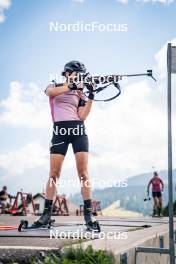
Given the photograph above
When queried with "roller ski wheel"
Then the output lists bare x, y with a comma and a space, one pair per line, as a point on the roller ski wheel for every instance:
93, 226
24, 226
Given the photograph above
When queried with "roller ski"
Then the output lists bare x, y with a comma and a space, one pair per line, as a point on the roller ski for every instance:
44, 222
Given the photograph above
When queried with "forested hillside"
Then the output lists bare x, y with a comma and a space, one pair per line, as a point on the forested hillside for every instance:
132, 196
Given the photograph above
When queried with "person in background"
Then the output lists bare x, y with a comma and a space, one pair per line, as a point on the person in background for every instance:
4, 196
157, 189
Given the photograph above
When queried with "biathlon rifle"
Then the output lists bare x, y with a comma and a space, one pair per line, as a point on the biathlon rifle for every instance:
87, 78
91, 81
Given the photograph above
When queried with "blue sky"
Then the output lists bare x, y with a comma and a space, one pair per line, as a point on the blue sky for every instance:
29, 52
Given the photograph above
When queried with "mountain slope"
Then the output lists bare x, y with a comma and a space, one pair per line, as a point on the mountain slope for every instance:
132, 196
142, 179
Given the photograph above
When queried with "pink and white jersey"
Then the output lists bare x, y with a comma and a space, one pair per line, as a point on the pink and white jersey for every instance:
156, 184
64, 107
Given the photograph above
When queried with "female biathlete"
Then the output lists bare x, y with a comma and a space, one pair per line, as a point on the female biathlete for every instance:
157, 189
69, 109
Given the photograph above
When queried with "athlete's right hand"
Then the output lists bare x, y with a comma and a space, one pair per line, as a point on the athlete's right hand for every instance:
74, 86
73, 82
80, 86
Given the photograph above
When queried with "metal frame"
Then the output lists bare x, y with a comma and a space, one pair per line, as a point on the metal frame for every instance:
161, 241
171, 249
170, 183
153, 250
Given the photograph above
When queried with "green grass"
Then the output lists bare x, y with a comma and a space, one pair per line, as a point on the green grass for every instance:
78, 256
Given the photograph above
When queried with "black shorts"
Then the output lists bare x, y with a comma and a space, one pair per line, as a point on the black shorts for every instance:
66, 132
156, 194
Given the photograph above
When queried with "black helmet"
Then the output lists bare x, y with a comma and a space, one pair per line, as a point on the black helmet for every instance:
155, 173
74, 66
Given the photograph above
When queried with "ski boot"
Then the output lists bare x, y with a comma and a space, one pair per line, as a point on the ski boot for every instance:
154, 213
160, 213
44, 220
91, 223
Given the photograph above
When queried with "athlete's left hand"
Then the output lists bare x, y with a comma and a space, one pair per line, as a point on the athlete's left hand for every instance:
90, 87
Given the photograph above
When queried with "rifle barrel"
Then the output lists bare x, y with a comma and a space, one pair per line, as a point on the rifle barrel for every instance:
119, 76
122, 75
133, 75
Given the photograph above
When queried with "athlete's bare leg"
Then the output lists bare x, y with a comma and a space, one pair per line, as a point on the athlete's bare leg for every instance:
155, 203
56, 161
82, 168
155, 199
82, 164
160, 204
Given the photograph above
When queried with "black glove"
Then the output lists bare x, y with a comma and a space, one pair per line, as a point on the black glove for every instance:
91, 96
72, 86
91, 93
